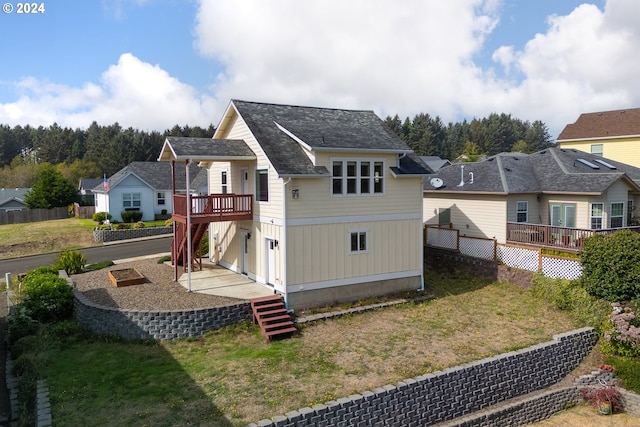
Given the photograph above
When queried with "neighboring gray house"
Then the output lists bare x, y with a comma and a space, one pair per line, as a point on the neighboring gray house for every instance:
435, 163
555, 197
86, 185
146, 187
12, 199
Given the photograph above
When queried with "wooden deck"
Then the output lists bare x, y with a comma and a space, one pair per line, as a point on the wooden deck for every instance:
213, 207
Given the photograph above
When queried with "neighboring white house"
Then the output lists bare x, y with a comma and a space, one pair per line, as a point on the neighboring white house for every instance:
145, 187
321, 205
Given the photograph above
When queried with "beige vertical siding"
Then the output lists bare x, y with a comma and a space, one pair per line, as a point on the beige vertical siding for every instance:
321, 252
401, 195
475, 215
624, 150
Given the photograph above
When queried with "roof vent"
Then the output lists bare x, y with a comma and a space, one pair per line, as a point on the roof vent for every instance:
461, 176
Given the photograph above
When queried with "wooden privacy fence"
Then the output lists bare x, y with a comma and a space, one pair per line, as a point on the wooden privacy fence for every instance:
524, 258
33, 215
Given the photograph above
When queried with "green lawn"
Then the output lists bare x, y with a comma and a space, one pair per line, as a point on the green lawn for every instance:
233, 377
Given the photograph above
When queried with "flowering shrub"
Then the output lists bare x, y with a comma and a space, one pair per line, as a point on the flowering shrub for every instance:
623, 337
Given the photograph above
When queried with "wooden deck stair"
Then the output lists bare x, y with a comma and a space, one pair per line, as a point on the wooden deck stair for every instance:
198, 231
272, 317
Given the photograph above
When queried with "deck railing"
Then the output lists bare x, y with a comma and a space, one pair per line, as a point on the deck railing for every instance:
214, 205
552, 236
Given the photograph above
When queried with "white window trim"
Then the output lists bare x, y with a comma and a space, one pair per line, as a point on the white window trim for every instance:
224, 186
611, 216
526, 211
591, 217
164, 198
358, 177
255, 177
132, 200
601, 153
364, 231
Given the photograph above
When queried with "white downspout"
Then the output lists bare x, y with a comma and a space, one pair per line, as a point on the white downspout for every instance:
422, 234
283, 244
188, 229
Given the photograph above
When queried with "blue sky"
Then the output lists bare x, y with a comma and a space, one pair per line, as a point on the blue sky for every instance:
151, 64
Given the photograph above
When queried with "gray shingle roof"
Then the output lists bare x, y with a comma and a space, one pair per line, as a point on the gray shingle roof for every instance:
8, 194
206, 149
158, 175
276, 126
553, 170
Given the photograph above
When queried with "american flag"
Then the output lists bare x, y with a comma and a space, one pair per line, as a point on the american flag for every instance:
106, 183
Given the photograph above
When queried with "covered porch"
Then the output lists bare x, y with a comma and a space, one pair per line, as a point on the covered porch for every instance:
548, 236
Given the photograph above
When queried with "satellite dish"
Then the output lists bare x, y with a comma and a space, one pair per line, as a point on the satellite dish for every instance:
436, 182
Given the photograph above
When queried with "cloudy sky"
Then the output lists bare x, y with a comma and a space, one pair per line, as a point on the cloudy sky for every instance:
151, 64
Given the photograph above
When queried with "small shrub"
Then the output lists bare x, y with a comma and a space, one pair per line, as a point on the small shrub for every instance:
46, 297
611, 266
126, 216
123, 226
100, 217
603, 395
139, 224
20, 325
163, 212
136, 216
164, 259
168, 223
71, 261
103, 227
569, 295
204, 247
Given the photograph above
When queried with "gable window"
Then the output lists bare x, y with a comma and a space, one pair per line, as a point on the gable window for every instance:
223, 181
357, 177
597, 150
522, 211
358, 241
262, 185
131, 201
617, 215
597, 210
161, 198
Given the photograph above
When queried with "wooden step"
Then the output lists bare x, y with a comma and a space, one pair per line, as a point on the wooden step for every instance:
271, 315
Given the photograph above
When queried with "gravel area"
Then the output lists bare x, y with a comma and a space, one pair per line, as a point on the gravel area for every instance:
159, 292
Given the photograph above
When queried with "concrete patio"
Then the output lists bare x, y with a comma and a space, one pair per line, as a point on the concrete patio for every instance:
216, 280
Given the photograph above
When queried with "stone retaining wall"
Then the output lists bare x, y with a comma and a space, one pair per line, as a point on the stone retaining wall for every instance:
132, 233
159, 325
454, 392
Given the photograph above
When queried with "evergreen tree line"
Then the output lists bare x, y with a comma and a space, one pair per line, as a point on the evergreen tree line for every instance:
98, 150
429, 136
79, 153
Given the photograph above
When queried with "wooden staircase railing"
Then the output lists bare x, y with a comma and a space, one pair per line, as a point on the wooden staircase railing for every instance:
272, 317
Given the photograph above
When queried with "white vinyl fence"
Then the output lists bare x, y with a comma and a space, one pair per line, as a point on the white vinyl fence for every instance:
531, 259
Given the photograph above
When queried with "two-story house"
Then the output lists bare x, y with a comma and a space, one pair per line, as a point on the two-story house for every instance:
611, 134
320, 204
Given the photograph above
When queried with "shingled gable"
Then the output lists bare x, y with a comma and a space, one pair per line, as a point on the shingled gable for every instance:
205, 149
284, 132
604, 124
550, 171
156, 175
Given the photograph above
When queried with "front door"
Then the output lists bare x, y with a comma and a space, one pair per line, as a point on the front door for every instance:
271, 262
244, 252
244, 181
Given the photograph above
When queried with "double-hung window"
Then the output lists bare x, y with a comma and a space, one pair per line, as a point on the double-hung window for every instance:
357, 177
597, 212
522, 211
617, 215
223, 183
597, 149
131, 201
161, 198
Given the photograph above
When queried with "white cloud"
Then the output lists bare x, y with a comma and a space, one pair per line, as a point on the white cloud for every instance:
396, 58
132, 93
418, 56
